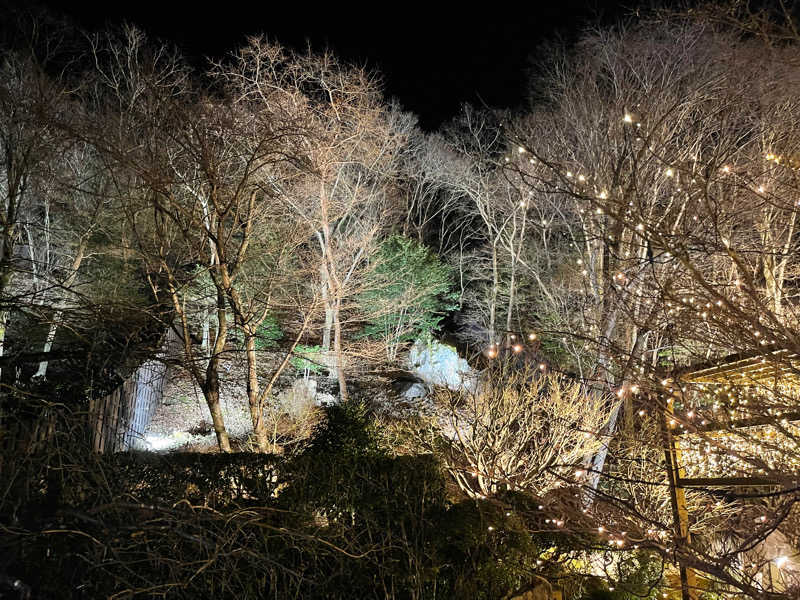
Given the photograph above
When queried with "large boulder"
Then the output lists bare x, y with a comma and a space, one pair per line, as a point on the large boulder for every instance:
439, 364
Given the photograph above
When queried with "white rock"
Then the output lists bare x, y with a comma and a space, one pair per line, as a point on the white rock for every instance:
414, 391
324, 399
439, 364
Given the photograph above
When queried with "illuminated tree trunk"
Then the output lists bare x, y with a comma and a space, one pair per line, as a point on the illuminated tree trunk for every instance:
51, 333
253, 398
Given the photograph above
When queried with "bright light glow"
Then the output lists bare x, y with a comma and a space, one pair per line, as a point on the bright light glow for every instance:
627, 118
781, 561
157, 442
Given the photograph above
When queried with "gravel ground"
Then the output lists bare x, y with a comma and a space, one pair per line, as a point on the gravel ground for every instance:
183, 420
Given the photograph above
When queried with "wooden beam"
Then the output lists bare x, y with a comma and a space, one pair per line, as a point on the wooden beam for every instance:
739, 424
680, 513
787, 362
709, 482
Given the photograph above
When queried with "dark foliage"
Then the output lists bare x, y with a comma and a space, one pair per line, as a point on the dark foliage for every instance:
344, 519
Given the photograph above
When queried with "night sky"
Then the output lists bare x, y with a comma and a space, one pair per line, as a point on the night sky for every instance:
431, 61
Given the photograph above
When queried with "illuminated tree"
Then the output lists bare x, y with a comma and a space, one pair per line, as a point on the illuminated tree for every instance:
675, 183
522, 430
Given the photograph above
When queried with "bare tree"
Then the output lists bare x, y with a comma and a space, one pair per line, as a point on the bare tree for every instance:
343, 194
28, 140
675, 180
523, 430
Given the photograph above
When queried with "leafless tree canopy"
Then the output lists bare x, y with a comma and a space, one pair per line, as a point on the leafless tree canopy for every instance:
624, 251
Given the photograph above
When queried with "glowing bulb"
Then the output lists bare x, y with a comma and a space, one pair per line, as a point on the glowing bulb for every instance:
670, 172
781, 561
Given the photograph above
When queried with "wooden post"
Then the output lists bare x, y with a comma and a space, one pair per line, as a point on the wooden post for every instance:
680, 514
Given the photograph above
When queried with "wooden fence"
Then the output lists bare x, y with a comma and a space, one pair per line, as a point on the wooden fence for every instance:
122, 417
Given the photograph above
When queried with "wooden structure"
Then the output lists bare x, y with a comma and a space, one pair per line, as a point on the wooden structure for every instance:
121, 417
761, 372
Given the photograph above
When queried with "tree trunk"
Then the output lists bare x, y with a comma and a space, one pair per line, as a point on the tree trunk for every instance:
325, 292
256, 412
493, 298
510, 307
3, 325
51, 334
211, 393
208, 380
48, 344
337, 349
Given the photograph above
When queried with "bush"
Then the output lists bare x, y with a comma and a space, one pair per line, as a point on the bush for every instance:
343, 519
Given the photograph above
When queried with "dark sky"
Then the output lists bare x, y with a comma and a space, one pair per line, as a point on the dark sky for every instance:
432, 61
